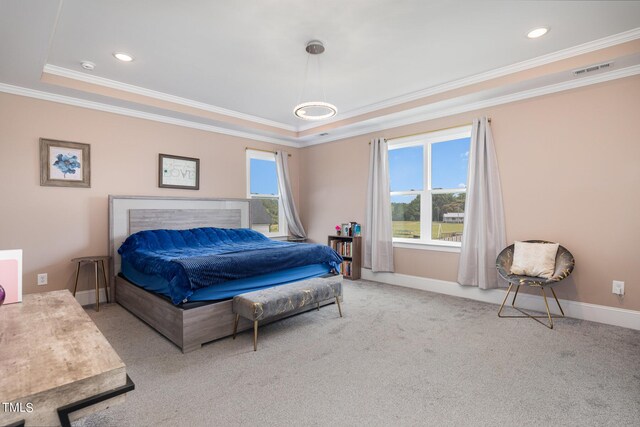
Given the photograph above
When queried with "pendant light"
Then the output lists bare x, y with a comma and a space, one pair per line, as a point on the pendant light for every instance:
314, 110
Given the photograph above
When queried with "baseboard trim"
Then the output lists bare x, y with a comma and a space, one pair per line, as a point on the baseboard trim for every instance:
578, 310
89, 297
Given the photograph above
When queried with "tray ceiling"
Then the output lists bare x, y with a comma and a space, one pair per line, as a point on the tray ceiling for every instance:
243, 62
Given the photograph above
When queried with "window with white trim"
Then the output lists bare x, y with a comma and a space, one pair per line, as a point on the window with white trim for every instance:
428, 180
267, 215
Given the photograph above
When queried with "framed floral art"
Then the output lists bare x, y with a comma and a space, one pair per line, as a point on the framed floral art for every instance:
64, 164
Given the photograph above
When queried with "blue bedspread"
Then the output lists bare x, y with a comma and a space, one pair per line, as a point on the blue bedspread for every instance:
201, 257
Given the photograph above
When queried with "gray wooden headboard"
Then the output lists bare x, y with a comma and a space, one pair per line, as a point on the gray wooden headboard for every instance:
183, 219
130, 214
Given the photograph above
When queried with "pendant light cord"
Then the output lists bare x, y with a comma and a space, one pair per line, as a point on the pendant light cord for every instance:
324, 95
304, 83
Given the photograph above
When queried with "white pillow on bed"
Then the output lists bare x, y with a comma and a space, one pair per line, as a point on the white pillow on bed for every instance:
534, 259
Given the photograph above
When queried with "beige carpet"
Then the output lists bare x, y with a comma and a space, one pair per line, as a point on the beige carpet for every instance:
398, 357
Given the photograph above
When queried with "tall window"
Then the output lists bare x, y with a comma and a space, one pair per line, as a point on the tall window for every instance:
429, 186
267, 214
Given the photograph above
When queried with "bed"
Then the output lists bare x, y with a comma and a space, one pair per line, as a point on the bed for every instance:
192, 315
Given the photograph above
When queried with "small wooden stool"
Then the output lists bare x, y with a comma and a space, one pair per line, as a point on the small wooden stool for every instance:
95, 260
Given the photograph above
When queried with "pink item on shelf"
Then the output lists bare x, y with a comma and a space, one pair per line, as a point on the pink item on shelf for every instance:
11, 275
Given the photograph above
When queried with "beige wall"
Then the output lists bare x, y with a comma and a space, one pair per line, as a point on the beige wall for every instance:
53, 225
570, 170
569, 164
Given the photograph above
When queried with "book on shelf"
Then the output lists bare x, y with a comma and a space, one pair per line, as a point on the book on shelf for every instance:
343, 248
346, 268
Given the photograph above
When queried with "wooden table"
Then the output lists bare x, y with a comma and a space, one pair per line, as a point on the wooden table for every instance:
55, 362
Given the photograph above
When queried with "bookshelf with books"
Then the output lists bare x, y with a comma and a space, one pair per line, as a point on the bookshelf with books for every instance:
350, 247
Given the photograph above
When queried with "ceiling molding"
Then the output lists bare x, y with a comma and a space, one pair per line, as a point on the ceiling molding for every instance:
412, 116
393, 120
571, 52
467, 81
113, 84
62, 99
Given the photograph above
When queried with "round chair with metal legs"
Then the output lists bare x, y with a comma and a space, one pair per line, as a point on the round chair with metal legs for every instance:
564, 267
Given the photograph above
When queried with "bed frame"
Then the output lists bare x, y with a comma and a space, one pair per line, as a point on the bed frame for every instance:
193, 324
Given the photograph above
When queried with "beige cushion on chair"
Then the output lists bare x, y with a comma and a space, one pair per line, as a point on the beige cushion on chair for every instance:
534, 259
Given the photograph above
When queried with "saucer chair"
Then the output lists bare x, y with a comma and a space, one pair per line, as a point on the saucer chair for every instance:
563, 268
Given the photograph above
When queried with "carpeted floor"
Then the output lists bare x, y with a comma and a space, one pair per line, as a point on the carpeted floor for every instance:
398, 357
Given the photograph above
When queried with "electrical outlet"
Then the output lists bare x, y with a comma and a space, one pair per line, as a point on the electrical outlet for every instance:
618, 287
42, 279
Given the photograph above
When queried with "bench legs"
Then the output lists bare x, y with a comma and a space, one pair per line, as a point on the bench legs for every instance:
255, 335
255, 325
255, 331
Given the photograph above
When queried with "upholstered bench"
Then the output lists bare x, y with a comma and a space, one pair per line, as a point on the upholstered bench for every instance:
268, 303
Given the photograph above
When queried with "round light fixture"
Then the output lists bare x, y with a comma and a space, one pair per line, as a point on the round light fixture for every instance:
537, 32
124, 57
315, 110
88, 65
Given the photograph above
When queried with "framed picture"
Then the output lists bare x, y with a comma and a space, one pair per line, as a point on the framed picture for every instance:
178, 172
64, 164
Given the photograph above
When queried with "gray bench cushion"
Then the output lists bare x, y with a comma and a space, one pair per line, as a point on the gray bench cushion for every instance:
266, 303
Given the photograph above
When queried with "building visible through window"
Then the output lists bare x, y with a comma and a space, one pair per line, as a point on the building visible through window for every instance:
428, 179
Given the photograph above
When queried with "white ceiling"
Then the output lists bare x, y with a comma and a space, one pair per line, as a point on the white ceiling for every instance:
248, 56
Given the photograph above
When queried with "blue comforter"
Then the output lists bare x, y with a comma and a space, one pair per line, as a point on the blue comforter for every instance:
201, 257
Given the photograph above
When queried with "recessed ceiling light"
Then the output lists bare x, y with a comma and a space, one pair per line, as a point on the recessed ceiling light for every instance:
88, 65
124, 57
538, 32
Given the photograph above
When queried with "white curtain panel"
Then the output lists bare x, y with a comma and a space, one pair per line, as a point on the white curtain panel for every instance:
377, 231
484, 231
290, 211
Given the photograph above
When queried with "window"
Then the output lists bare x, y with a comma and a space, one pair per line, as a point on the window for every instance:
428, 179
262, 187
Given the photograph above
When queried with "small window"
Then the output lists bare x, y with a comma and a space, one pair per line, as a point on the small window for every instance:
266, 206
428, 180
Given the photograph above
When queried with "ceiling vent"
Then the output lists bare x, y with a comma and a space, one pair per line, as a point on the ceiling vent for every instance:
592, 68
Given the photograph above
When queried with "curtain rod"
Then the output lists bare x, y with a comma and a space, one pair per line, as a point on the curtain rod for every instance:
430, 131
264, 151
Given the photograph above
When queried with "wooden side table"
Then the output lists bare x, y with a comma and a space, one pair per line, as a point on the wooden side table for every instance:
95, 260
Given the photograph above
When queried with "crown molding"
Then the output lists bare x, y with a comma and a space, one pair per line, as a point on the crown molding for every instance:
581, 49
376, 124
415, 115
394, 120
571, 52
63, 99
113, 84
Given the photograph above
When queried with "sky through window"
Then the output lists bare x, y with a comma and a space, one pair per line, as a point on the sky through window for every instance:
264, 178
